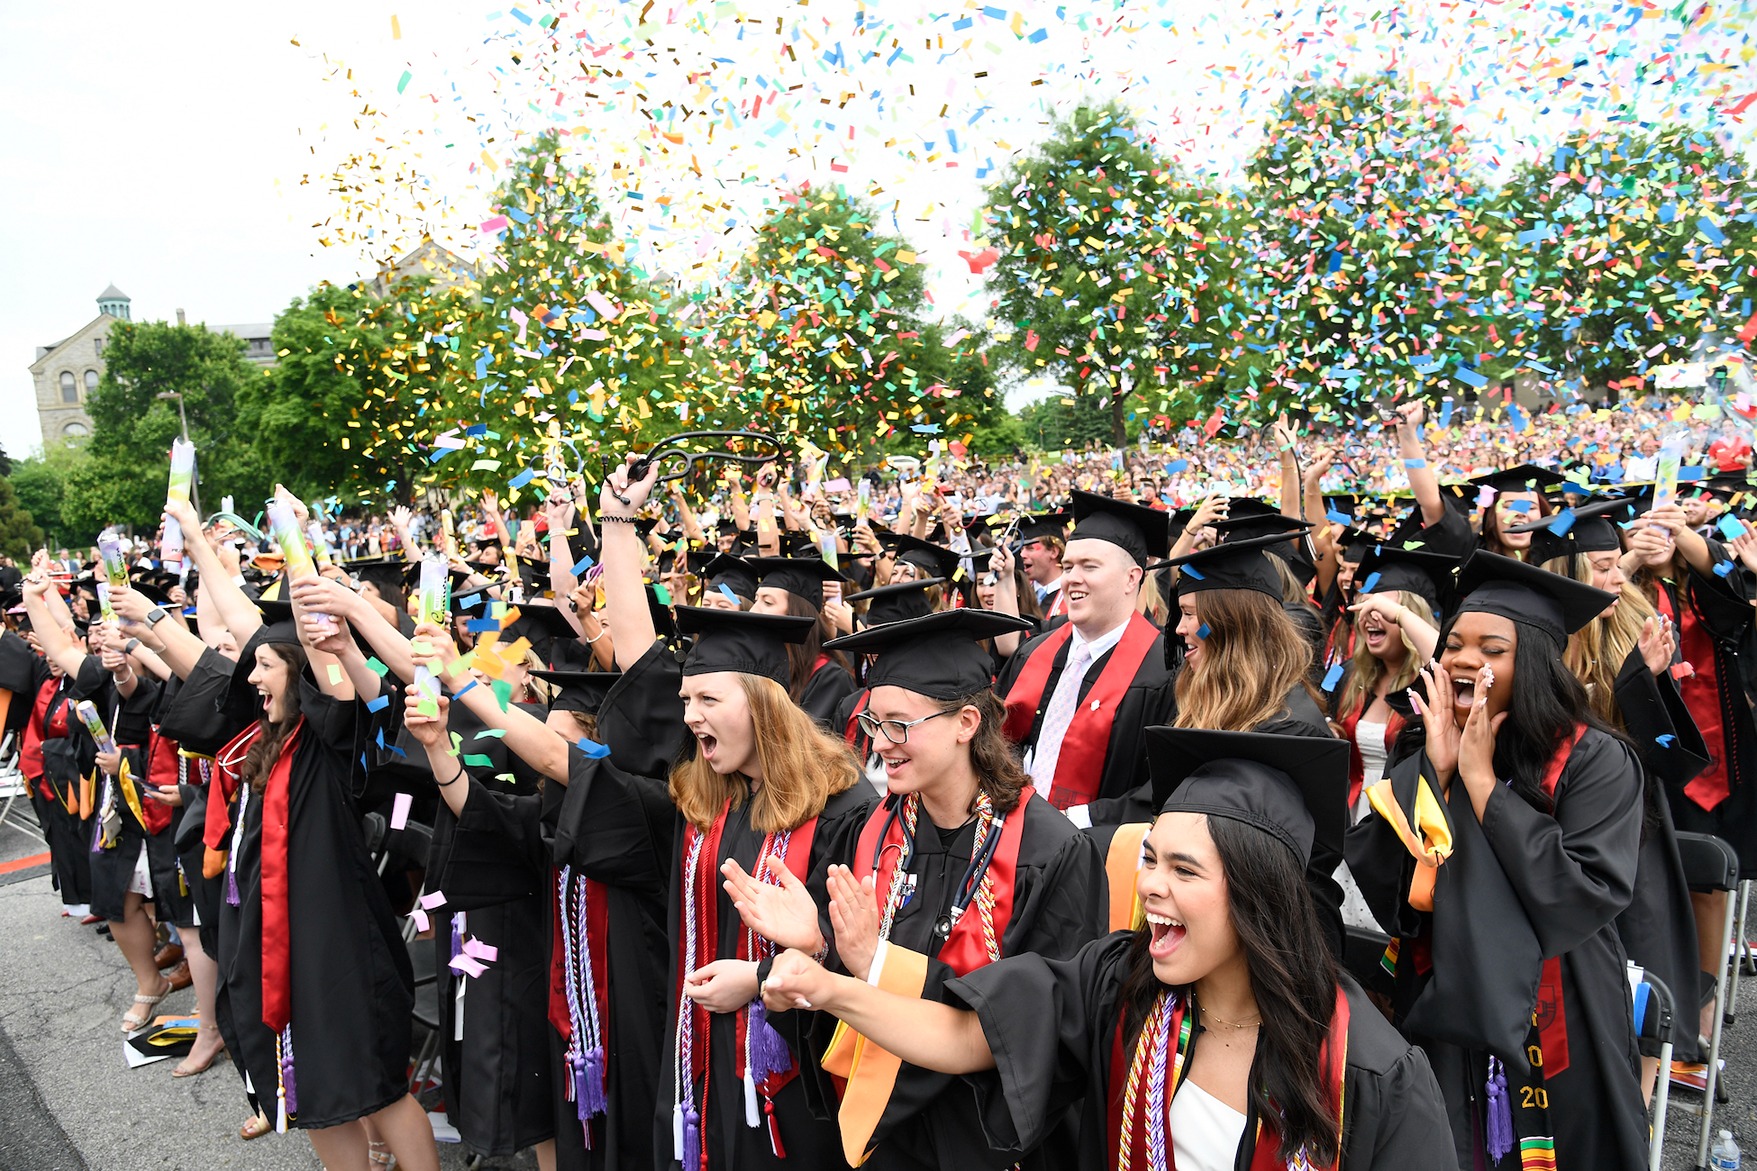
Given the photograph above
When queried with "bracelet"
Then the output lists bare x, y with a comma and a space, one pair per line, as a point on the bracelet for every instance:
454, 780
608, 518
238, 579
591, 641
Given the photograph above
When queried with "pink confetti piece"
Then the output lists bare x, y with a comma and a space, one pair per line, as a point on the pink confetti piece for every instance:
399, 810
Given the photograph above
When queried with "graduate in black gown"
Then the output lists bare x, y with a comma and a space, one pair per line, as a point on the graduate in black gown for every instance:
1219, 1034
585, 847
496, 1059
818, 681
765, 787
315, 986
1086, 760
1246, 669
1624, 657
1498, 857
961, 864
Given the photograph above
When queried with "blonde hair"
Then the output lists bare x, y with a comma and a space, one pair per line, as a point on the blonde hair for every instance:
803, 767
1252, 658
1596, 652
1149, 602
1369, 669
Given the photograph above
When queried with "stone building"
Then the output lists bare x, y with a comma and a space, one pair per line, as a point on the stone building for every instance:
67, 371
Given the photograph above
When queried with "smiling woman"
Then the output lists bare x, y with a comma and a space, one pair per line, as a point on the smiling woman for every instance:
1177, 1038
1509, 845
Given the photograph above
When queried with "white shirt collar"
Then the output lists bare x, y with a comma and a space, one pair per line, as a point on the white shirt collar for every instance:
1052, 586
1100, 646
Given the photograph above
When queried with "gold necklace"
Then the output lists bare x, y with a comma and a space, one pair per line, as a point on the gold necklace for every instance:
1220, 1020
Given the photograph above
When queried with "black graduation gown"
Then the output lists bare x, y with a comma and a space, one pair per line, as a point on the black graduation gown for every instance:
497, 1075
352, 989
642, 725
827, 688
1052, 1023
1658, 927
1057, 908
113, 867
1717, 609
1522, 886
23, 672
1124, 789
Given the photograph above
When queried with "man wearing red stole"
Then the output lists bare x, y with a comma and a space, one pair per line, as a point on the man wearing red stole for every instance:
1078, 696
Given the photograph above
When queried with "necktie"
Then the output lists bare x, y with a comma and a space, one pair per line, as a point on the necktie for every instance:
1058, 715
1042, 593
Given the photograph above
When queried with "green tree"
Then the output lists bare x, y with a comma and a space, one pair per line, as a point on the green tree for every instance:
1363, 258
19, 534
132, 426
41, 483
1111, 268
822, 332
565, 326
1625, 240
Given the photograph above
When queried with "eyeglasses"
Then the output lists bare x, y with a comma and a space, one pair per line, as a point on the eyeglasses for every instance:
896, 731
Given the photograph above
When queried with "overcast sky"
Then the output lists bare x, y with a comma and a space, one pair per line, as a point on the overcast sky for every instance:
160, 147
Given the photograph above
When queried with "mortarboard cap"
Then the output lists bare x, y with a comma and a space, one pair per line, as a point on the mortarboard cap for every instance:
1585, 528
895, 603
940, 655
1234, 565
1294, 788
734, 573
1140, 532
578, 691
801, 576
933, 560
1391, 568
1522, 478
738, 640
1492, 584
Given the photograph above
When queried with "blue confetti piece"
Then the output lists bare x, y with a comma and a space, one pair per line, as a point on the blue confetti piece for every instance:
1711, 230
730, 596
1366, 587
481, 625
1176, 466
1564, 520
1195, 573
1724, 568
379, 704
1518, 505
1332, 677
1470, 377
1336, 516
1204, 632
592, 748
1446, 412
1666, 741
583, 564
523, 478
1731, 527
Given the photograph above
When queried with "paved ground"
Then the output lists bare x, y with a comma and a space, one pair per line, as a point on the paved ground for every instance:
68, 1102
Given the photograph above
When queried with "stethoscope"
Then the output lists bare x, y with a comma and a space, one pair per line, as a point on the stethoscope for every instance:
966, 889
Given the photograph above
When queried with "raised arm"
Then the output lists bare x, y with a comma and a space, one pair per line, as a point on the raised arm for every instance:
52, 636
559, 511
167, 638
219, 580
529, 738
1422, 481
625, 594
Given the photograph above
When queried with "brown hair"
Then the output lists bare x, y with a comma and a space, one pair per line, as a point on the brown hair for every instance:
259, 761
1369, 669
1252, 658
803, 766
1491, 525
992, 756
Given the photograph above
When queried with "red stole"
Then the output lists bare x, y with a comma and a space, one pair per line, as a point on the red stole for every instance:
1266, 1154
1357, 769
707, 934
277, 928
1701, 692
852, 732
161, 769
36, 730
1079, 769
1551, 1020
964, 949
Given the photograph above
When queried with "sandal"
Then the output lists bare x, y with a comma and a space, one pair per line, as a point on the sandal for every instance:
183, 1069
255, 1128
139, 1017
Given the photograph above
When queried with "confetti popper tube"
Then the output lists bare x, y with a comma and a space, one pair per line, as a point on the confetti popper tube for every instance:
434, 605
319, 547
284, 527
1665, 481
177, 490
94, 723
115, 572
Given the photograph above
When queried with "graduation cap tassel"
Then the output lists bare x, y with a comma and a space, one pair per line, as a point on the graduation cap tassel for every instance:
591, 1089
769, 1054
1500, 1120
692, 1139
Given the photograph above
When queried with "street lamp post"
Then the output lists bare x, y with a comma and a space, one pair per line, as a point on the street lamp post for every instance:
176, 396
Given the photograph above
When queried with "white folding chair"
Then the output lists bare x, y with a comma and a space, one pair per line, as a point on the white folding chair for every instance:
1654, 1020
13, 785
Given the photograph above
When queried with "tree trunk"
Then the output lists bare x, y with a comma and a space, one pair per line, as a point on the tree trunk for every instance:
1119, 407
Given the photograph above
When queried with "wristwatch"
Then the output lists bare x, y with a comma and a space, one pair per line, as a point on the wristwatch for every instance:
156, 615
